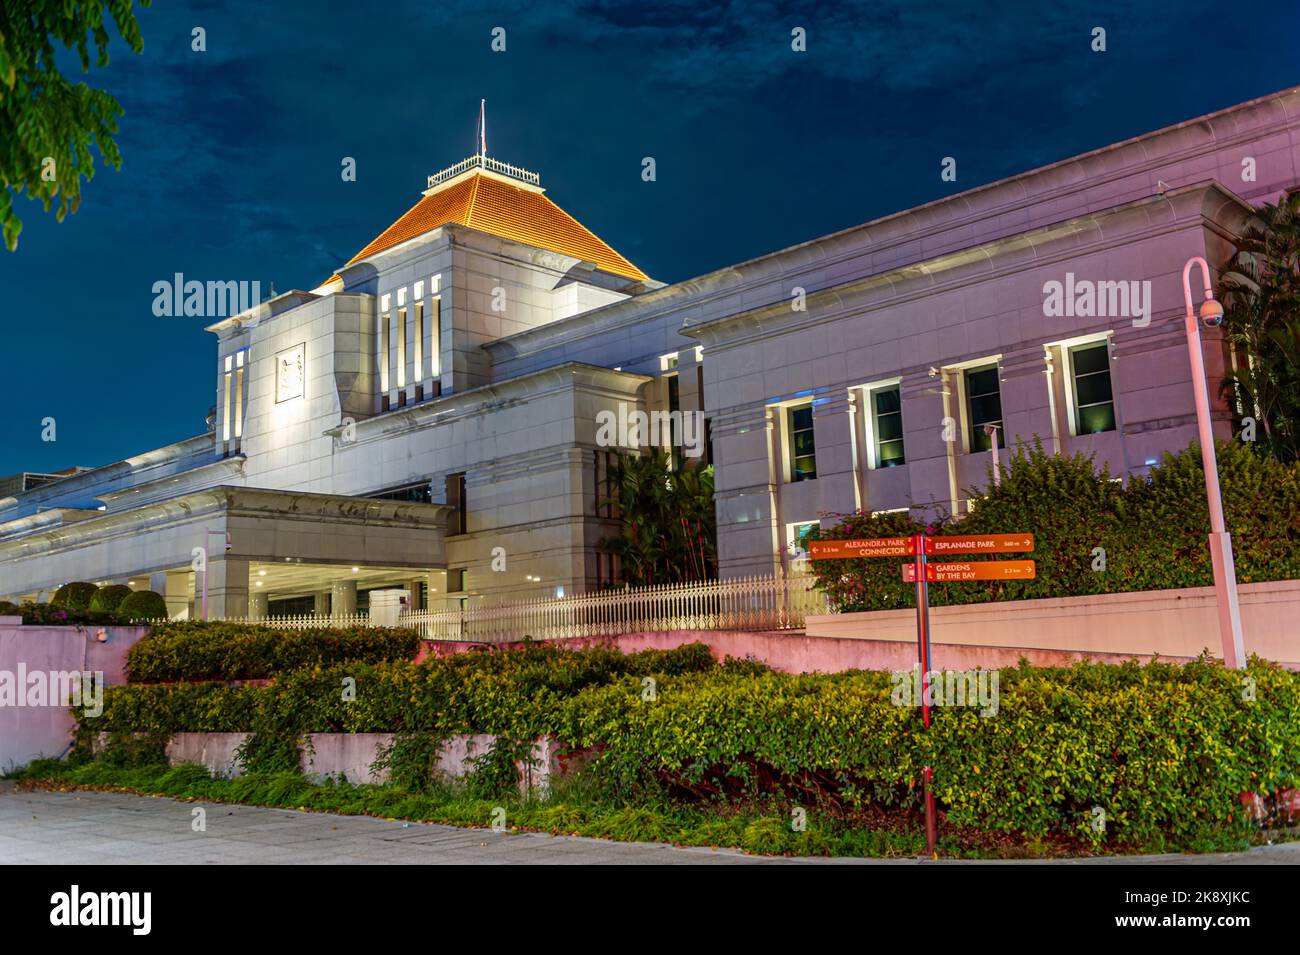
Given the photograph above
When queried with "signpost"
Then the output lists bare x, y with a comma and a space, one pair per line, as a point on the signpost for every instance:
921, 572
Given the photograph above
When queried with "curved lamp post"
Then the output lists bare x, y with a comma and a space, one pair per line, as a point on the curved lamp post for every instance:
1225, 571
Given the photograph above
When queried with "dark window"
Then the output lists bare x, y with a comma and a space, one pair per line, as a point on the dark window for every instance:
984, 404
291, 606
887, 406
456, 498
803, 448
414, 493
675, 405
456, 581
1094, 405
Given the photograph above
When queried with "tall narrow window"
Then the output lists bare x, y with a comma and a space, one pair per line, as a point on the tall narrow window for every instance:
401, 340
383, 344
239, 394
1094, 404
887, 427
984, 407
225, 403
419, 341
456, 498
803, 448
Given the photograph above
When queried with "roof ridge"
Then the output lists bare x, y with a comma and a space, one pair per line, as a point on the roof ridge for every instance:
473, 199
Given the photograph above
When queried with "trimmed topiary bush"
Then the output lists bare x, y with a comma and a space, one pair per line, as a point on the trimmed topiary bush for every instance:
107, 599
142, 605
74, 596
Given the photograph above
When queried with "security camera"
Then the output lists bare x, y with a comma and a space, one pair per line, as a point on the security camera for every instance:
1211, 314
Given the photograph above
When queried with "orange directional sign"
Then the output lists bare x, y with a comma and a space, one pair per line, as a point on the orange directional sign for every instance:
872, 547
979, 544
974, 570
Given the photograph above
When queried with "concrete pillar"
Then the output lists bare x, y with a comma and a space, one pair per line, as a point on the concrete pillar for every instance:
322, 607
343, 597
174, 587
413, 588
258, 604
437, 590
227, 587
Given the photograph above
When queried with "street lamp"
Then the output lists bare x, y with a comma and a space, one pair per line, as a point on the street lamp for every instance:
1225, 572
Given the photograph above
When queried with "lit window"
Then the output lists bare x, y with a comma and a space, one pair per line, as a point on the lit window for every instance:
803, 447
984, 407
797, 538
1094, 405
887, 427
668, 362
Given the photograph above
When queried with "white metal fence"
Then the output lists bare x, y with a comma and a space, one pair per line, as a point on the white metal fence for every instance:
739, 603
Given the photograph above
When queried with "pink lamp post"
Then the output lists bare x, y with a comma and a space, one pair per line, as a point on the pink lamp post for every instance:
1225, 571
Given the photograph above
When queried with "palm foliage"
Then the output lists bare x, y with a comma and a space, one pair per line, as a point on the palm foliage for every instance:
1260, 290
669, 532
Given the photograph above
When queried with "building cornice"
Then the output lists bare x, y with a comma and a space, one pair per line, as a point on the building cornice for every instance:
1011, 199
1208, 204
565, 377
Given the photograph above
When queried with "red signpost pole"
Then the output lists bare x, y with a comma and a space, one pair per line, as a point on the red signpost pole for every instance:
923, 655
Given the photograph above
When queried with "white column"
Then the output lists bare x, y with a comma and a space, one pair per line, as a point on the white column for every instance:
343, 597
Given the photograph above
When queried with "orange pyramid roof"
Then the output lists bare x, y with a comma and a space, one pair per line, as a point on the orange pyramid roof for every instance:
492, 204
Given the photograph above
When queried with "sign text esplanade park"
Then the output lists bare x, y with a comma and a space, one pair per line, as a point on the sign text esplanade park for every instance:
921, 572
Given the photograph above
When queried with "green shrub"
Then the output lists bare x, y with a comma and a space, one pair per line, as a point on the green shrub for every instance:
1163, 750
74, 596
49, 615
199, 650
142, 605
1153, 531
107, 599
8, 609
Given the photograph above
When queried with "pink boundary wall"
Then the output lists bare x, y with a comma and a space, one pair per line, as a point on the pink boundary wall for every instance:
792, 651
1175, 625
30, 732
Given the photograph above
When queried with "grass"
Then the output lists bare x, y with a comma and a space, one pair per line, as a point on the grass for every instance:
573, 807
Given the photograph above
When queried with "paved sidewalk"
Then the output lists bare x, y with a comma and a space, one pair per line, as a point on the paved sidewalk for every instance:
123, 829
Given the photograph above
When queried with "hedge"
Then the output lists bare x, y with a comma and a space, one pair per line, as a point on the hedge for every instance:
108, 599
198, 650
142, 605
1152, 533
1164, 751
74, 596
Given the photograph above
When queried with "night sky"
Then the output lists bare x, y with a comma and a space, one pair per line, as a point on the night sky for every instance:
232, 157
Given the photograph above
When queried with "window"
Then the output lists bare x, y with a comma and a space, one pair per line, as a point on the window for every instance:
456, 498
797, 538
412, 493
887, 427
1094, 405
803, 447
668, 362
984, 407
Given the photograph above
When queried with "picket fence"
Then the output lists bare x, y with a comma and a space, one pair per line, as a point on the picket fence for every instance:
738, 603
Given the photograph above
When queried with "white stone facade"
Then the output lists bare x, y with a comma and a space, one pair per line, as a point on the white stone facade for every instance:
463, 371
